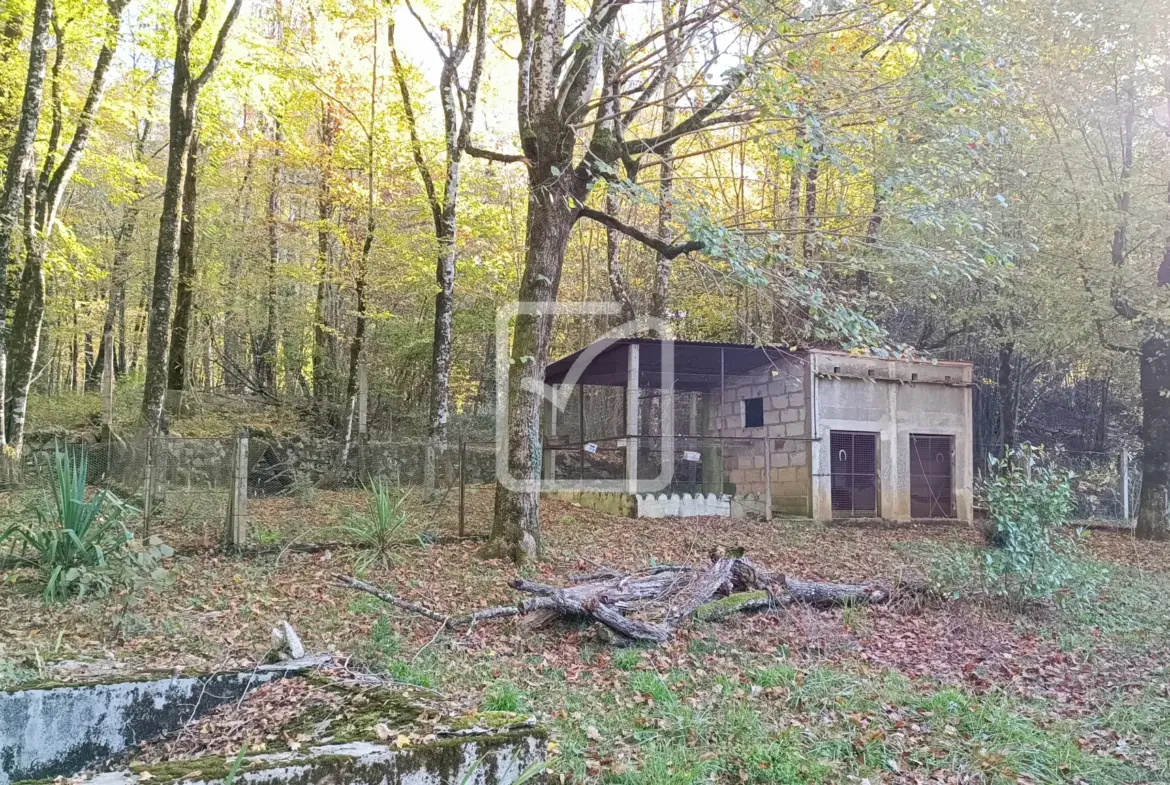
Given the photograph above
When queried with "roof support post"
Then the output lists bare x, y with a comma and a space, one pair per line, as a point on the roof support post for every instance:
633, 428
549, 465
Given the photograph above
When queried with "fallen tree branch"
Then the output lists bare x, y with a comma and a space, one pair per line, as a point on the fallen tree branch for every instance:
667, 596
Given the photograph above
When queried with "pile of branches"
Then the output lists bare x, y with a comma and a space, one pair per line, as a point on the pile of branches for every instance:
651, 604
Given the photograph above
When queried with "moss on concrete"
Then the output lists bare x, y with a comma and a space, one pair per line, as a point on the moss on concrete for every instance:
611, 502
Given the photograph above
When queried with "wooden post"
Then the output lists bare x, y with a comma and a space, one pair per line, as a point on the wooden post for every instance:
462, 483
767, 479
237, 522
633, 427
1124, 484
148, 492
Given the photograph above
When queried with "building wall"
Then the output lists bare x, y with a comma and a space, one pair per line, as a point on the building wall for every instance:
894, 399
784, 390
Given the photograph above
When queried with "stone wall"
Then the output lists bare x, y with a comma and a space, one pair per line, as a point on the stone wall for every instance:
275, 463
784, 390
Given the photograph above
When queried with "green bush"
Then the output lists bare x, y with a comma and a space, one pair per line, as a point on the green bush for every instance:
1027, 499
80, 546
381, 531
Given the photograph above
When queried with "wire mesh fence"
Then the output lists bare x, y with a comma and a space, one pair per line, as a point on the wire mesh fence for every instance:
1106, 485
297, 489
171, 486
446, 488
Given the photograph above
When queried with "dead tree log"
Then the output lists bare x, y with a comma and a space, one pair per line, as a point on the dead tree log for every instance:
650, 605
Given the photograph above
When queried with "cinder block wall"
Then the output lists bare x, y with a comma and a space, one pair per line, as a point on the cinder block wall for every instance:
784, 390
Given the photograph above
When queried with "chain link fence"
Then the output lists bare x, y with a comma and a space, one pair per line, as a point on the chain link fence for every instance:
299, 490
1106, 485
171, 486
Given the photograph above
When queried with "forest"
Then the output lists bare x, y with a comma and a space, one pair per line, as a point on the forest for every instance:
280, 201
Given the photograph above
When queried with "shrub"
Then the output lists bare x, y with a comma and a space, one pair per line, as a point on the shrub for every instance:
1027, 499
80, 545
380, 532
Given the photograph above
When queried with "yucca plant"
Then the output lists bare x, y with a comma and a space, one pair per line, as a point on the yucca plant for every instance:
380, 532
76, 537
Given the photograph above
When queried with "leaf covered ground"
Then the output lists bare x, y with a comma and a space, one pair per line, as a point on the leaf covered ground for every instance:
955, 693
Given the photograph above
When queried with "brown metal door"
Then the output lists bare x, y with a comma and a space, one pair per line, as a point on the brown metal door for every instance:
931, 482
854, 473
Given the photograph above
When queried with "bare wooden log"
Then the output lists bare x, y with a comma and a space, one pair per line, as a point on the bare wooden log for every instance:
812, 593
714, 580
630, 628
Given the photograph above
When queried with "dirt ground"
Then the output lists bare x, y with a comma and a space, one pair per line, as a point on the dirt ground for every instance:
220, 609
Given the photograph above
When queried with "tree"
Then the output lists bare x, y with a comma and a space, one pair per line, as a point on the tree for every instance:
20, 161
185, 88
556, 83
41, 207
185, 286
459, 105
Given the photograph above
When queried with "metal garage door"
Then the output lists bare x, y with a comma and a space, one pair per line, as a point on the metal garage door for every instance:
931, 483
854, 473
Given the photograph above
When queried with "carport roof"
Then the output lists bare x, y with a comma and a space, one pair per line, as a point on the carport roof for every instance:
698, 365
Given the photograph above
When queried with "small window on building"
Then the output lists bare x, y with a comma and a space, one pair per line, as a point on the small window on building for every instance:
753, 413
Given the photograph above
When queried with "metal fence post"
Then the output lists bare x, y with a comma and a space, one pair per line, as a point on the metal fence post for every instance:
767, 479
1124, 484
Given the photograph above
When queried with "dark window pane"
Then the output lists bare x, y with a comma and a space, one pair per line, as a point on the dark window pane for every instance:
753, 413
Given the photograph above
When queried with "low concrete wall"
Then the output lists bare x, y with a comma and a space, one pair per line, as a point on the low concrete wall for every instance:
482, 760
58, 731
612, 502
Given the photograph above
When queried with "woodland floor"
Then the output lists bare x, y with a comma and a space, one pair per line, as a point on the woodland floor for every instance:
957, 693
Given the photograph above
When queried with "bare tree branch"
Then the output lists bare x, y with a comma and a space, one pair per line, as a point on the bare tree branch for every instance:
492, 155
664, 248
218, 49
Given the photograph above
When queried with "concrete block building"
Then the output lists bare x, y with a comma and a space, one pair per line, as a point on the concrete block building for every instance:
711, 428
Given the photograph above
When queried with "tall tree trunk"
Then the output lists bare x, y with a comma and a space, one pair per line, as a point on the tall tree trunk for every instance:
27, 319
235, 362
1154, 381
116, 297
20, 161
324, 333
811, 239
264, 348
516, 525
670, 39
185, 286
617, 279
11, 35
41, 213
184, 95
781, 327
1155, 494
358, 342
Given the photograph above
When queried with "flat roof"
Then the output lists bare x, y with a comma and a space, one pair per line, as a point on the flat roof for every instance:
698, 365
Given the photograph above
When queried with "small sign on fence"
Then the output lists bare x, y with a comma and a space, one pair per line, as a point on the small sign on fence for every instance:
590, 447
691, 455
